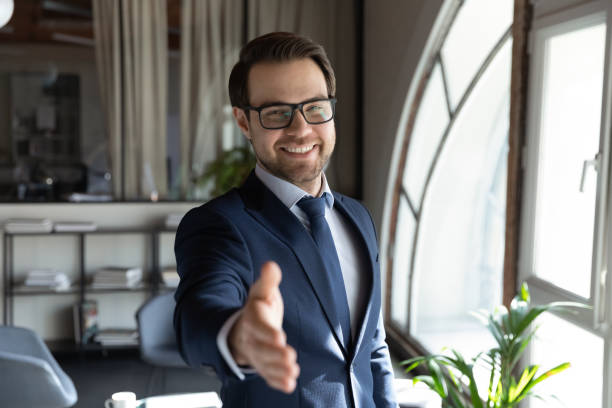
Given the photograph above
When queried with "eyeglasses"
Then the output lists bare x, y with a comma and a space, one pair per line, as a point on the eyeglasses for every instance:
280, 115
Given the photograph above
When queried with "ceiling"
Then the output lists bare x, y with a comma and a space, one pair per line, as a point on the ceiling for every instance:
67, 22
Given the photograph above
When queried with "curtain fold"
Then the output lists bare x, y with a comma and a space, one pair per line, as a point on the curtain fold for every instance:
210, 44
108, 59
132, 60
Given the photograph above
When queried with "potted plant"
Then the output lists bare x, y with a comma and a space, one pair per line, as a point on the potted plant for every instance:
228, 170
451, 376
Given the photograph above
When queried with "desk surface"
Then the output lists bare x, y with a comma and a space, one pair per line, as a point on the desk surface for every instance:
193, 400
408, 394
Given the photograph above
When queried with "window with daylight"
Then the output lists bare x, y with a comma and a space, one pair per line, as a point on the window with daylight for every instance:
448, 234
565, 226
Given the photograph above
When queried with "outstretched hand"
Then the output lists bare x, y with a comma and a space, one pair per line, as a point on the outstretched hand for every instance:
258, 339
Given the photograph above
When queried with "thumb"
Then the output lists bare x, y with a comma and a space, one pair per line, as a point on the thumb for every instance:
267, 285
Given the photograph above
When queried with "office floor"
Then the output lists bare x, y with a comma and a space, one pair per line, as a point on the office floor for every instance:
96, 377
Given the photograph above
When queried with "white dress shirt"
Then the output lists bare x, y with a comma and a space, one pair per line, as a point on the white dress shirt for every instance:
352, 259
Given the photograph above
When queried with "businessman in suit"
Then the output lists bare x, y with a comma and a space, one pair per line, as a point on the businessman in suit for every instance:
280, 283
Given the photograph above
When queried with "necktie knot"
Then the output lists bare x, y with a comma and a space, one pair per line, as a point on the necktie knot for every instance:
313, 207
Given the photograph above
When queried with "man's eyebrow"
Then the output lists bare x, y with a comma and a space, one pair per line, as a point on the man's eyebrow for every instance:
315, 98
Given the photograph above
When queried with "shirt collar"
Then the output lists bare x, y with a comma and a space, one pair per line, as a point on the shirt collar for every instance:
289, 193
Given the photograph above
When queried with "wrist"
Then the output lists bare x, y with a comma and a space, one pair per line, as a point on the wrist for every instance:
235, 345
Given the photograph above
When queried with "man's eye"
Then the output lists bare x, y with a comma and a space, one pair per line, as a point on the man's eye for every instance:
279, 113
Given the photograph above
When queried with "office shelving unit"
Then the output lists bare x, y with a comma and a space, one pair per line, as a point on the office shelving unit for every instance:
152, 282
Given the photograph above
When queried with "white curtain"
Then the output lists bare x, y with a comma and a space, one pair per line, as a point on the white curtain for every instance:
211, 37
132, 60
315, 19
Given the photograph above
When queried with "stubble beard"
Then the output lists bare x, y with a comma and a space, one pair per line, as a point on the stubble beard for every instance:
295, 174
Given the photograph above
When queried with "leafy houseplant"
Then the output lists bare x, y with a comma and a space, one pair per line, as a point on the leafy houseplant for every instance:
228, 170
448, 374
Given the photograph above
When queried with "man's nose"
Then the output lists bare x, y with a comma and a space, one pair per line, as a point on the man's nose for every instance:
298, 123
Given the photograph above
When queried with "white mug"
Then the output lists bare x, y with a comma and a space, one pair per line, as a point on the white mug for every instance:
124, 399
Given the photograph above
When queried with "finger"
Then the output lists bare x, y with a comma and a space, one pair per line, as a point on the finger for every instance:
267, 285
287, 385
265, 354
280, 371
262, 331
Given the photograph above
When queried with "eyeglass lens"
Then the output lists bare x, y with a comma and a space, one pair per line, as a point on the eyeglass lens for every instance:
278, 116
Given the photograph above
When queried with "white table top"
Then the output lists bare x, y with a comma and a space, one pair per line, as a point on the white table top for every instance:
191, 400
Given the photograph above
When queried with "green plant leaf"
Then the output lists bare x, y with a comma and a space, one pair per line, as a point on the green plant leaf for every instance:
437, 377
412, 366
427, 380
517, 389
545, 375
525, 293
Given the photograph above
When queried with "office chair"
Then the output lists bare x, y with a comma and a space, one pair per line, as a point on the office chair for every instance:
31, 377
157, 339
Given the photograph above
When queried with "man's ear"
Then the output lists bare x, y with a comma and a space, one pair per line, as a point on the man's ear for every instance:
242, 121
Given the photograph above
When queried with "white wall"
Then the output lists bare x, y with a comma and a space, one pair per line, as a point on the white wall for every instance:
51, 315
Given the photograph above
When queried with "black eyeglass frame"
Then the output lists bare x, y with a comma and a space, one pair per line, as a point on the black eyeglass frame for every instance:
294, 107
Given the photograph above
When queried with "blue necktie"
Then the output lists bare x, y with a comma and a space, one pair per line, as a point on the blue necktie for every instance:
315, 209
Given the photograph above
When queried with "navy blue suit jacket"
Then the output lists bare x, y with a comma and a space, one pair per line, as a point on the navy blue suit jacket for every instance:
220, 247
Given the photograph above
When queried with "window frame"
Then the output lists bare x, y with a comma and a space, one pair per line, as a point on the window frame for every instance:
402, 342
558, 19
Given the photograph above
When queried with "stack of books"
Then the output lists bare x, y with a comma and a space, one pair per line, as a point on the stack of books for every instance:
114, 277
117, 337
28, 225
47, 279
74, 226
170, 277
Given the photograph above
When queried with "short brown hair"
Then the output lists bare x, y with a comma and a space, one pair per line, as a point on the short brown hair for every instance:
276, 47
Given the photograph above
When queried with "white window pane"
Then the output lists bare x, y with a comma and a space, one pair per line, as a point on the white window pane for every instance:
431, 121
581, 384
569, 135
404, 237
458, 263
477, 27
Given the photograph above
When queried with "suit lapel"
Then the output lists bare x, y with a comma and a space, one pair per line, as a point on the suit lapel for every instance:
273, 215
372, 253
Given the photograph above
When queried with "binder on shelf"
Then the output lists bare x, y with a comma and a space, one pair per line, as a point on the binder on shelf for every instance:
85, 317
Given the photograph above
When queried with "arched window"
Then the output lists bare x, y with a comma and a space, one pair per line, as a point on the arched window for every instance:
446, 227
447, 237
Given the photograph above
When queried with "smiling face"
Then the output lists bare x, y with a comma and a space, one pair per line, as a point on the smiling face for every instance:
299, 152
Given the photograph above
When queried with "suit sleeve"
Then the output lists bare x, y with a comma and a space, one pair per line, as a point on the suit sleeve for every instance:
382, 371
214, 266
380, 360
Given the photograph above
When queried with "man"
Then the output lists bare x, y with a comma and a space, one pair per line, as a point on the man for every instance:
280, 283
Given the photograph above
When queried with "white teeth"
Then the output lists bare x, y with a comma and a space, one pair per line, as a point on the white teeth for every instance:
299, 149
